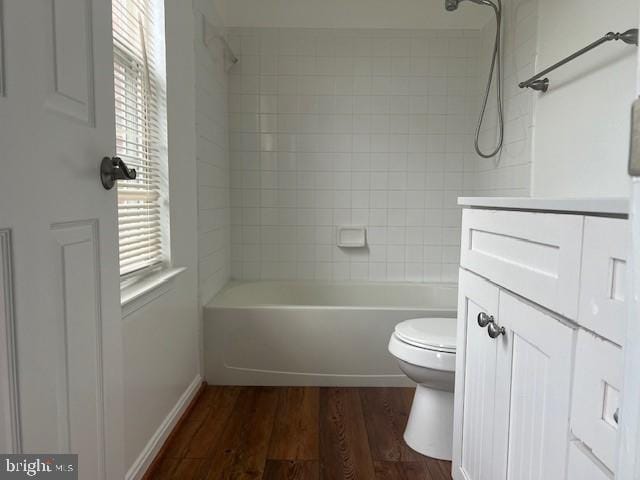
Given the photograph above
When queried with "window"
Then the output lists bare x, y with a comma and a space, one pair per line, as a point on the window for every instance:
141, 141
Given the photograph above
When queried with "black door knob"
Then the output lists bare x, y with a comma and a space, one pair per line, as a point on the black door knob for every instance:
112, 169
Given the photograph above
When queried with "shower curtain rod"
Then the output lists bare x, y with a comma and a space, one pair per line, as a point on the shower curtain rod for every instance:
542, 84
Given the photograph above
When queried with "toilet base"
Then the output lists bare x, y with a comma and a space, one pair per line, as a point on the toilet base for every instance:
430, 427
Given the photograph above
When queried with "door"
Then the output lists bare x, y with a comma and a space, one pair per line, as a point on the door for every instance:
533, 393
628, 465
629, 424
59, 304
473, 450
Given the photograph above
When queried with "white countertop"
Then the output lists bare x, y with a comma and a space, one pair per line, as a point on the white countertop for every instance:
607, 205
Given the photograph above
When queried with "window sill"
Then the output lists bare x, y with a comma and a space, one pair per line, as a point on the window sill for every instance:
135, 296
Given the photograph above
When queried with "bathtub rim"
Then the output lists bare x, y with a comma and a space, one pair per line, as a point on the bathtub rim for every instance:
211, 304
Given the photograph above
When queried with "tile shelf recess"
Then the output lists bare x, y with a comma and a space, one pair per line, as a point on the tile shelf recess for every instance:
352, 237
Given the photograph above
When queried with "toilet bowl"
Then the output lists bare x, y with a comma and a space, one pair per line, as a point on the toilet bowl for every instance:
426, 351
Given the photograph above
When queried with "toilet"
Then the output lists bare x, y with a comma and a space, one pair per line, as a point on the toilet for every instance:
426, 351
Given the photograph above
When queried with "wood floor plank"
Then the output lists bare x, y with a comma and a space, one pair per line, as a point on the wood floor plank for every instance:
407, 395
164, 469
191, 469
386, 414
181, 441
242, 450
402, 471
344, 448
439, 469
291, 470
221, 404
296, 433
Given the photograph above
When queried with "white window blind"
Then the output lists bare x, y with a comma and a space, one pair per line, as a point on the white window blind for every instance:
140, 118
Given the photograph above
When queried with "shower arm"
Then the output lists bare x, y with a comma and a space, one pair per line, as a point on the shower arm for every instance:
542, 84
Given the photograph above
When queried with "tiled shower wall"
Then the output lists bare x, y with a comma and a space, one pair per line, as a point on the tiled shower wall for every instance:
350, 127
510, 173
214, 237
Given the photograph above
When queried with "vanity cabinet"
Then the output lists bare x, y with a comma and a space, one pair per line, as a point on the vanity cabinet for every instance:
538, 368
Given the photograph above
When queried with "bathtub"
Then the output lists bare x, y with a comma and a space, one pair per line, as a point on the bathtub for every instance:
311, 333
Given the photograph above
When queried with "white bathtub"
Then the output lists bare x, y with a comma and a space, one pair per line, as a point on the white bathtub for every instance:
310, 333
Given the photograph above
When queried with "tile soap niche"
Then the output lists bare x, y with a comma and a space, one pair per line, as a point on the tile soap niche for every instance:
352, 236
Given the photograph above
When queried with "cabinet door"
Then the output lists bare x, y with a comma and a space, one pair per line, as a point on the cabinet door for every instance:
533, 392
475, 382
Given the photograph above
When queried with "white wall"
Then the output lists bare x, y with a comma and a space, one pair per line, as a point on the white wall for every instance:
582, 123
220, 7
352, 14
161, 339
214, 234
340, 127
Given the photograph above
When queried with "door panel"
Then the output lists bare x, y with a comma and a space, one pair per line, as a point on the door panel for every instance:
9, 428
533, 394
79, 369
2, 56
475, 381
72, 67
56, 124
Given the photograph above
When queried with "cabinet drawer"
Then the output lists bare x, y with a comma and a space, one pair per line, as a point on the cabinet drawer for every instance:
582, 466
596, 394
603, 282
536, 255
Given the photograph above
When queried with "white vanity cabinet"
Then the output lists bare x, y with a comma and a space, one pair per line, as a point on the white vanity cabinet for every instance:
541, 307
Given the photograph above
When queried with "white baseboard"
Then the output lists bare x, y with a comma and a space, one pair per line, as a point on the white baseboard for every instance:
151, 449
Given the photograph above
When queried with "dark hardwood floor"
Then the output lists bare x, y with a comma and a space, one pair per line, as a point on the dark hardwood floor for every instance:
297, 433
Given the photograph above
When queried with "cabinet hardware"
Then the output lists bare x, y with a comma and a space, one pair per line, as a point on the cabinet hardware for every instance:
495, 331
484, 319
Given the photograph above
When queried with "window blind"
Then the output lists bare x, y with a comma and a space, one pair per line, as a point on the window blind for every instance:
140, 119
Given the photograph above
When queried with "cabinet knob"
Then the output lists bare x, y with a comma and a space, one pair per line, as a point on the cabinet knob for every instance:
484, 319
495, 331
616, 415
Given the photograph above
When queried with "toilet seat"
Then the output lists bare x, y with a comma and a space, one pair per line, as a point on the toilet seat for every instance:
421, 356
438, 334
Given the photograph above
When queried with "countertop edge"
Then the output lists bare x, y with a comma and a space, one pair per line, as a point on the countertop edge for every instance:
612, 206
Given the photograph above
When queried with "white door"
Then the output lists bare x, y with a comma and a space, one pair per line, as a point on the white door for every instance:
629, 423
533, 393
59, 286
473, 450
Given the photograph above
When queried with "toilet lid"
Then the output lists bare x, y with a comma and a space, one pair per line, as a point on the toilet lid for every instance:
432, 333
